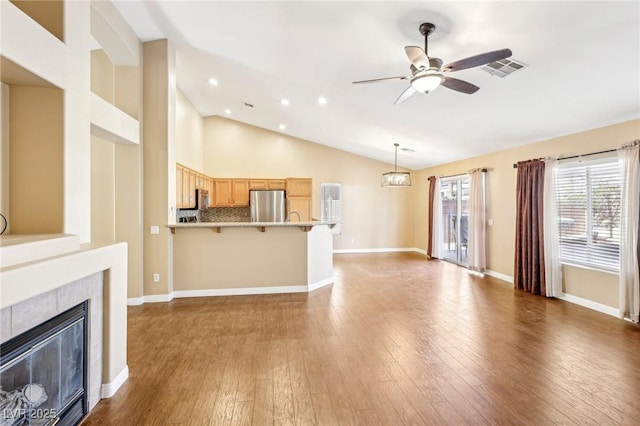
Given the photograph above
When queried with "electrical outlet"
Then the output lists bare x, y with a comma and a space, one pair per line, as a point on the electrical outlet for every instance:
154, 229
156, 278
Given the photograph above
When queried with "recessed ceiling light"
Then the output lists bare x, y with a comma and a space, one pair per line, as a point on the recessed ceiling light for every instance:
322, 100
227, 111
285, 102
282, 127
213, 81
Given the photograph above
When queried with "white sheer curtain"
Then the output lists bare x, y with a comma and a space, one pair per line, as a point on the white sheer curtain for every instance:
436, 247
629, 212
477, 258
552, 266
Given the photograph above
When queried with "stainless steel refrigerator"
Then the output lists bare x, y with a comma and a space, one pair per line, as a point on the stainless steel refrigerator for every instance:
267, 205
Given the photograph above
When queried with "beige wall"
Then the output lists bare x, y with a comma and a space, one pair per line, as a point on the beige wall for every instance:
48, 13
36, 164
102, 75
501, 185
374, 217
159, 163
189, 128
102, 191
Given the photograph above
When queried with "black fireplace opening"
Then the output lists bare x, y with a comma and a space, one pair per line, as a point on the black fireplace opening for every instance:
43, 372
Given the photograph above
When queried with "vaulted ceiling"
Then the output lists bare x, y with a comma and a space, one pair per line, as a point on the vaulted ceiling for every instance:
582, 70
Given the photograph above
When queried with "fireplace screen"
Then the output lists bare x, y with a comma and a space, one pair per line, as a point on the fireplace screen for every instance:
43, 373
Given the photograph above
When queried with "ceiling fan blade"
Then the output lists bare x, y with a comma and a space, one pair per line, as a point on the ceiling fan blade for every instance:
405, 95
459, 85
375, 80
417, 56
476, 61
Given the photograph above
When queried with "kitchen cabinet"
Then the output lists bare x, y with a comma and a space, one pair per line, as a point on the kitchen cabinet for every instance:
208, 186
276, 184
298, 187
230, 192
200, 181
188, 189
301, 205
299, 198
185, 187
178, 186
258, 184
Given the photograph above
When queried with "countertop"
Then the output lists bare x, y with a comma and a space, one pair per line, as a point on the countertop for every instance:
305, 225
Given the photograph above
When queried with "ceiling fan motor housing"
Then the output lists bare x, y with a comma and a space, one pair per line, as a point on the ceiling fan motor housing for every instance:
426, 28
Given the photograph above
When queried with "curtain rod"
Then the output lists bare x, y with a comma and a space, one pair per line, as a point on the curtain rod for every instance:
515, 165
483, 170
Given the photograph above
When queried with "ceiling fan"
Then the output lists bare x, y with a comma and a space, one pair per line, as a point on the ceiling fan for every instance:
428, 73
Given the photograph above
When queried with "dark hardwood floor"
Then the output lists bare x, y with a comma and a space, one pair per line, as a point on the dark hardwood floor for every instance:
396, 340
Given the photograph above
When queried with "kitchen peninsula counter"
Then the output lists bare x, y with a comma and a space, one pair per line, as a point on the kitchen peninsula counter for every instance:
251, 257
216, 226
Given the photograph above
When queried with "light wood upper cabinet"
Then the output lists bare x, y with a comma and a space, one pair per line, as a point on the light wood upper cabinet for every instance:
208, 186
200, 181
188, 188
276, 184
222, 193
179, 204
298, 187
230, 192
258, 184
240, 190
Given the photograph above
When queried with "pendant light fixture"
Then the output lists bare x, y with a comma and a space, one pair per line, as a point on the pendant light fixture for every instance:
396, 178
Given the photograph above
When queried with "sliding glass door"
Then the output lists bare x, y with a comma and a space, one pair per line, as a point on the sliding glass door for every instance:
455, 218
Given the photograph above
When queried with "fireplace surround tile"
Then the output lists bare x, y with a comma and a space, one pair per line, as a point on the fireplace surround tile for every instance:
29, 313
5, 324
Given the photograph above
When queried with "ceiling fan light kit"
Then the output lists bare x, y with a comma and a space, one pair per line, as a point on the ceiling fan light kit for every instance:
396, 178
427, 73
426, 82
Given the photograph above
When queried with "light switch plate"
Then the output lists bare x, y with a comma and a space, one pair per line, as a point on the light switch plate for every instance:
155, 229
490, 222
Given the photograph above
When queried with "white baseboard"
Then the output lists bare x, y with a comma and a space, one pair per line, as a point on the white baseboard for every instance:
499, 276
605, 309
150, 298
228, 292
380, 250
109, 389
240, 291
321, 284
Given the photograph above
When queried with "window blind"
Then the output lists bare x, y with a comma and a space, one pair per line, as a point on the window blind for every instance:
331, 207
588, 195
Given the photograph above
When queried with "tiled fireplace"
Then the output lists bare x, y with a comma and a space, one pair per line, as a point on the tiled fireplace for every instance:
41, 277
52, 354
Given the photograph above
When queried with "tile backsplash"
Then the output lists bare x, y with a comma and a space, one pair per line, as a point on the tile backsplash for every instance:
226, 214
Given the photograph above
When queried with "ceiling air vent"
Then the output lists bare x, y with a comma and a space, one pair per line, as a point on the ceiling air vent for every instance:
503, 67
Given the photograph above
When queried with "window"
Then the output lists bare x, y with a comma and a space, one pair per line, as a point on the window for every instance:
331, 204
588, 195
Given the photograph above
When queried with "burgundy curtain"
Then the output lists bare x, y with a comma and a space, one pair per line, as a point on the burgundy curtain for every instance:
529, 256
432, 193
